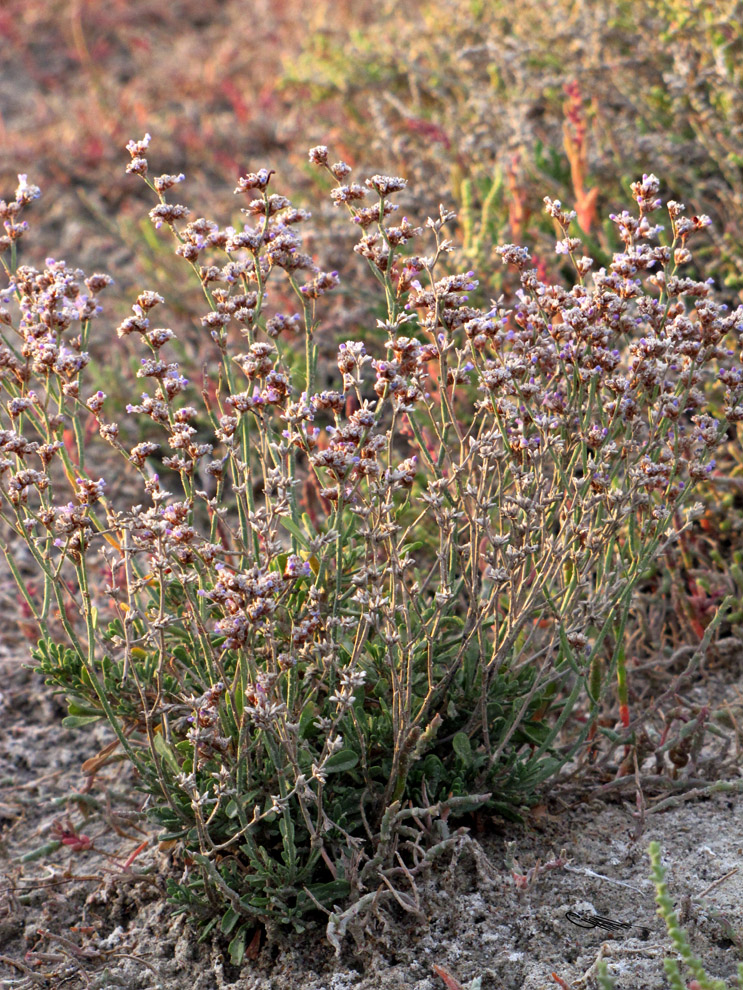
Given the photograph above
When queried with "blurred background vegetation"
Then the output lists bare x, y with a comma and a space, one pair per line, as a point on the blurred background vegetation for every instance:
483, 104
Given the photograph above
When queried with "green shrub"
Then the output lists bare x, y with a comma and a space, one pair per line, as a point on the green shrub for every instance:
341, 616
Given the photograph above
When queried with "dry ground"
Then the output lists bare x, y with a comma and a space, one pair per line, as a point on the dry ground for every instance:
79, 917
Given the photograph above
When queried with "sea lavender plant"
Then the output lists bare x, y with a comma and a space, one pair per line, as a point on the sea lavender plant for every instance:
334, 618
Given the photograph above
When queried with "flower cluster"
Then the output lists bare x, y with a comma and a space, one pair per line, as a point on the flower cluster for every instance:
10, 212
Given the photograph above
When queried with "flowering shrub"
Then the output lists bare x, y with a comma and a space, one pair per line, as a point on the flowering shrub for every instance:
334, 618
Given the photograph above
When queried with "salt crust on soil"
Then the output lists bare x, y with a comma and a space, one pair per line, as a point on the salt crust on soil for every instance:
477, 923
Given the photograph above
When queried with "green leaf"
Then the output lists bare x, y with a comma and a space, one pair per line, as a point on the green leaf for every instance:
536, 732
289, 853
166, 753
170, 836
462, 747
181, 653
330, 893
434, 773
308, 523
296, 532
74, 709
229, 919
507, 811
74, 721
207, 929
547, 768
338, 762
307, 720
236, 947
